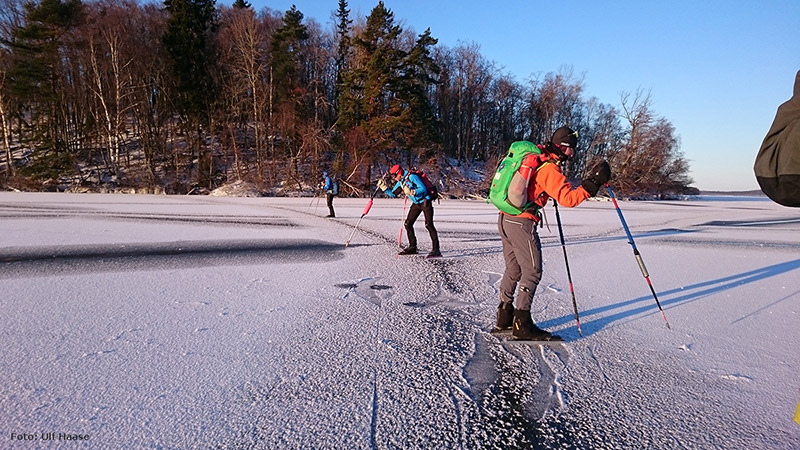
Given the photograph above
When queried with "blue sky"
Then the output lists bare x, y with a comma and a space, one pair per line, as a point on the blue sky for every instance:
717, 70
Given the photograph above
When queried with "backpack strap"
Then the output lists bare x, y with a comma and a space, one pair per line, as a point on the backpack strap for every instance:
535, 209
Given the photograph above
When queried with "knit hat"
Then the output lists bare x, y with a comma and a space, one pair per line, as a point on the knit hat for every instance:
395, 168
565, 137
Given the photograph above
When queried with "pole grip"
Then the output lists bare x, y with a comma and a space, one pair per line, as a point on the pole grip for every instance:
367, 208
641, 263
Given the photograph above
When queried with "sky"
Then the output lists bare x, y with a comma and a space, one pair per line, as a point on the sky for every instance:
154, 321
717, 70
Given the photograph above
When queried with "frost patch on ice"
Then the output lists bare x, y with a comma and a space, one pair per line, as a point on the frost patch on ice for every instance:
519, 383
414, 304
736, 377
494, 278
122, 335
546, 394
449, 300
391, 344
256, 281
366, 289
99, 353
480, 371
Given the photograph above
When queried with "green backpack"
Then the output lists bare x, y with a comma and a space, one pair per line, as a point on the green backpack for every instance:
509, 191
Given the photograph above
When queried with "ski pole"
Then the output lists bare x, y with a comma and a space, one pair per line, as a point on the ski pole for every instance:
364, 213
400, 232
636, 254
314, 197
566, 261
402, 218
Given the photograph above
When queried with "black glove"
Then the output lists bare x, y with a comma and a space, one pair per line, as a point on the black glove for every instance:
596, 178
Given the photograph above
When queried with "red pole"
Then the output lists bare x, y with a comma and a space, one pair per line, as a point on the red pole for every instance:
366, 210
364, 213
637, 255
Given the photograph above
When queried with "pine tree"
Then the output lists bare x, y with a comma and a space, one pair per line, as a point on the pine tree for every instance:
288, 87
419, 74
369, 86
189, 41
385, 94
189, 45
343, 49
285, 51
36, 81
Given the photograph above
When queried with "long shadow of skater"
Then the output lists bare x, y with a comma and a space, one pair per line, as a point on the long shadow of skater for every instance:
595, 239
482, 251
627, 309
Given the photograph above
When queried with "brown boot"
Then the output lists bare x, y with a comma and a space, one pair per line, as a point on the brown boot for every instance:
525, 330
505, 316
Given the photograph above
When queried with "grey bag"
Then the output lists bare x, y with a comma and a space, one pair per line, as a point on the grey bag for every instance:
777, 165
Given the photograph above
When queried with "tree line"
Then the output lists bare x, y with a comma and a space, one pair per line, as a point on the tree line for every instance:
187, 94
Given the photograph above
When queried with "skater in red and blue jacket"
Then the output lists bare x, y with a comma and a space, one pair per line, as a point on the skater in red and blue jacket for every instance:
412, 186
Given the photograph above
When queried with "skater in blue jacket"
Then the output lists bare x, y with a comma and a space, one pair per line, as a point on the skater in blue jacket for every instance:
413, 187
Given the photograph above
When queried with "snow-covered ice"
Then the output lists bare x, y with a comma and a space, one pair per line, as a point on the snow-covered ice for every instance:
215, 322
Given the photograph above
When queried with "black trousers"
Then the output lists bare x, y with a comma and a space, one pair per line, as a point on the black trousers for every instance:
330, 204
425, 208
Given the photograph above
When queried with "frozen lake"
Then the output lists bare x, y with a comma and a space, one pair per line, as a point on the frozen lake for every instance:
198, 322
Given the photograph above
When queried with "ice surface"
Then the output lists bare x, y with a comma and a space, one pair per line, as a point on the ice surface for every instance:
215, 322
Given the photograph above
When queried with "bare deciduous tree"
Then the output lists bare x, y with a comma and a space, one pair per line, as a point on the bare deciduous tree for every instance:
109, 77
11, 16
105, 85
648, 163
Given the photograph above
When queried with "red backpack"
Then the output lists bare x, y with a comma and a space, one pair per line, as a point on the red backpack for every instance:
433, 193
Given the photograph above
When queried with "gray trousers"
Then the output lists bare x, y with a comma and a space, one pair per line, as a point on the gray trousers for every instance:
522, 251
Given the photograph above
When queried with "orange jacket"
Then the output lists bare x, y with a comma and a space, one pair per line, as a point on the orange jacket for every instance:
550, 182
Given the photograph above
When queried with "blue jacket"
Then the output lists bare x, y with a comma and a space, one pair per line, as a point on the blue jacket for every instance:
412, 182
328, 185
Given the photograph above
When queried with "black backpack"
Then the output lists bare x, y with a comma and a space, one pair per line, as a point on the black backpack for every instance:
777, 165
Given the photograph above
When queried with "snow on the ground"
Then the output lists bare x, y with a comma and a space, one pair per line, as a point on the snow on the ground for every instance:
214, 322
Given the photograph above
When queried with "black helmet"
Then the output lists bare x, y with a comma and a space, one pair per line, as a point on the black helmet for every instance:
563, 137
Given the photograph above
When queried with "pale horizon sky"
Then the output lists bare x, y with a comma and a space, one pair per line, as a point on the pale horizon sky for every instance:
716, 70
